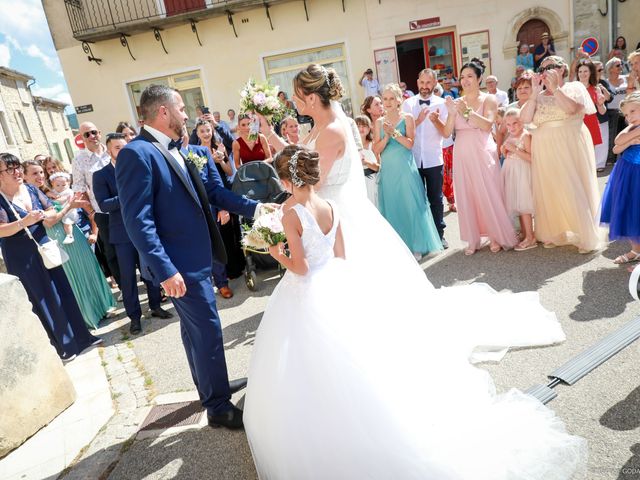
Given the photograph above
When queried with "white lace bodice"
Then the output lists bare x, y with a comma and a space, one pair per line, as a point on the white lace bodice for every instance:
318, 247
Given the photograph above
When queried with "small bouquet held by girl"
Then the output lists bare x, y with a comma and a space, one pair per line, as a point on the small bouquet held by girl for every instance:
267, 230
261, 98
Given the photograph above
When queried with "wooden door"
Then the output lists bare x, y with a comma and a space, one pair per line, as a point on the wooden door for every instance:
531, 31
175, 7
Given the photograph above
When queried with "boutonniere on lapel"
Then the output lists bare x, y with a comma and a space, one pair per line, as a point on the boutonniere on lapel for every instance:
198, 161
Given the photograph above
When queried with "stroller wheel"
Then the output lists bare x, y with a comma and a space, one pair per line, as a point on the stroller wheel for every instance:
251, 280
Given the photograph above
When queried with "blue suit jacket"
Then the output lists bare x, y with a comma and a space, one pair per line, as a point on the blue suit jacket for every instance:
168, 220
105, 190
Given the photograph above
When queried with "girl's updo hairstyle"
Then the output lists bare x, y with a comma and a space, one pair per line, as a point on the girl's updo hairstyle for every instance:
322, 81
307, 165
395, 90
476, 65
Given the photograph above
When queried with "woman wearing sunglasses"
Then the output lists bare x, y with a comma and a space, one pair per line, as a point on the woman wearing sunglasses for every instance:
563, 160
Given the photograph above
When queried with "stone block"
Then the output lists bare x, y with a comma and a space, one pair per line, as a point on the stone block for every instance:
34, 386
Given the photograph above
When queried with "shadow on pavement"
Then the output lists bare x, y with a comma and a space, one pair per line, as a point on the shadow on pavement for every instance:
605, 294
242, 332
631, 469
204, 453
624, 415
515, 271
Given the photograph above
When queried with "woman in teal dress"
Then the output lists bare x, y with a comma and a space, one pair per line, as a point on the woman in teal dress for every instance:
88, 284
401, 196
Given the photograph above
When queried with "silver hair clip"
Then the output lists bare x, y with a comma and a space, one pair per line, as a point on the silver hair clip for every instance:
326, 75
293, 169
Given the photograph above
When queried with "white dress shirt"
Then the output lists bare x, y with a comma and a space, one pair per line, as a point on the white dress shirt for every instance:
164, 141
427, 144
502, 98
82, 167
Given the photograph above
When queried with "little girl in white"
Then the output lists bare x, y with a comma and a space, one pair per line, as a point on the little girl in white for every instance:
299, 171
60, 184
516, 175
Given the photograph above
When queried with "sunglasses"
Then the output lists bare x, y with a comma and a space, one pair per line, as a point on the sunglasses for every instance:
549, 67
90, 132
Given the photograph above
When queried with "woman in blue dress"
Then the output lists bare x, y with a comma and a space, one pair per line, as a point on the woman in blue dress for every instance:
401, 196
48, 289
620, 206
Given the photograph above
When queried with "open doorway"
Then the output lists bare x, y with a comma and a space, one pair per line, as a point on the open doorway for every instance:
436, 51
411, 61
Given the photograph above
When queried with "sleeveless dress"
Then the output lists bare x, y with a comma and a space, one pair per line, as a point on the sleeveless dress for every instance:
251, 154
478, 187
49, 291
343, 388
85, 276
620, 206
563, 173
516, 175
402, 199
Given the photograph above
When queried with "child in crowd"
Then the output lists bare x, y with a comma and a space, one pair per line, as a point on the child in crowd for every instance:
61, 185
620, 205
516, 175
370, 162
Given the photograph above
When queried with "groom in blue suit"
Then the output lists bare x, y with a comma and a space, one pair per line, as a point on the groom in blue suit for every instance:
164, 199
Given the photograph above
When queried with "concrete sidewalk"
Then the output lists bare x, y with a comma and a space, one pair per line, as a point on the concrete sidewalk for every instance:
56, 446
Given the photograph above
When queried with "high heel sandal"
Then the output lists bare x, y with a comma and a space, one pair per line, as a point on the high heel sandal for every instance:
495, 247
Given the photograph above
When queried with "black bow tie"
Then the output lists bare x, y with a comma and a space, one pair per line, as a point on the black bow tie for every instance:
175, 144
422, 102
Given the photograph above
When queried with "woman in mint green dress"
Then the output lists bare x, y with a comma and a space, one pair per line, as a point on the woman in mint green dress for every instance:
401, 196
87, 281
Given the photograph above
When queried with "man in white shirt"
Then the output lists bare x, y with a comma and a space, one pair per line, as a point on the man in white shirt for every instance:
93, 158
370, 84
427, 144
492, 87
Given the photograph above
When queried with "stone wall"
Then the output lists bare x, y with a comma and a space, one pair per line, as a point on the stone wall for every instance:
34, 386
588, 22
25, 148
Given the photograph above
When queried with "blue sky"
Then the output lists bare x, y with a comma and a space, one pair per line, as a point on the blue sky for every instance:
26, 46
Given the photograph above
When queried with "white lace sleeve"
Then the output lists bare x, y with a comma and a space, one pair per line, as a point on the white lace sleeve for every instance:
578, 92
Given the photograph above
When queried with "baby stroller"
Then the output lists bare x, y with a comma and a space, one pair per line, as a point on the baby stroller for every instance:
258, 181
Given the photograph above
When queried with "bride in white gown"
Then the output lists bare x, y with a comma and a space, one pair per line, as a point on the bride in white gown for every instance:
349, 382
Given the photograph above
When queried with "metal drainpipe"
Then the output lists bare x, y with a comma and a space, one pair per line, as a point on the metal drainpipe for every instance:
613, 23
44, 133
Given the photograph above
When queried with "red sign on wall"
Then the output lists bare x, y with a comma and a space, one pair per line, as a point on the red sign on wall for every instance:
424, 23
79, 142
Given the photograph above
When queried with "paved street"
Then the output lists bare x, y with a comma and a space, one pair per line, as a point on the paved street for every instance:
587, 292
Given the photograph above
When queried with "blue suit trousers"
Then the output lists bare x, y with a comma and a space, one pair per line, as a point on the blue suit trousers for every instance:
202, 339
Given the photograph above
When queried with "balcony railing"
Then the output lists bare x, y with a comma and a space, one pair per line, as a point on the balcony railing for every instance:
101, 19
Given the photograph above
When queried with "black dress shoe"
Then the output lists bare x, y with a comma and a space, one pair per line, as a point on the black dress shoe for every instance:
135, 327
237, 385
160, 313
445, 244
231, 419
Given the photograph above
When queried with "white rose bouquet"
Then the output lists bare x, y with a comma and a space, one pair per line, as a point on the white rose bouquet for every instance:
261, 98
266, 230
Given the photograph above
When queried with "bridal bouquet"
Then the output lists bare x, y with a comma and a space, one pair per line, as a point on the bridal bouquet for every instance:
266, 230
261, 98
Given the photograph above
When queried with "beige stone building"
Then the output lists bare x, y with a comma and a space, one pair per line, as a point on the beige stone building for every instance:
58, 133
22, 133
31, 125
207, 49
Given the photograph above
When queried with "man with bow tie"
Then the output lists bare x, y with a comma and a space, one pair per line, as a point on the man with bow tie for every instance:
427, 145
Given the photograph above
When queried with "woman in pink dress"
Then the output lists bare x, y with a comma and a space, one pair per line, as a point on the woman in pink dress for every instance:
476, 169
